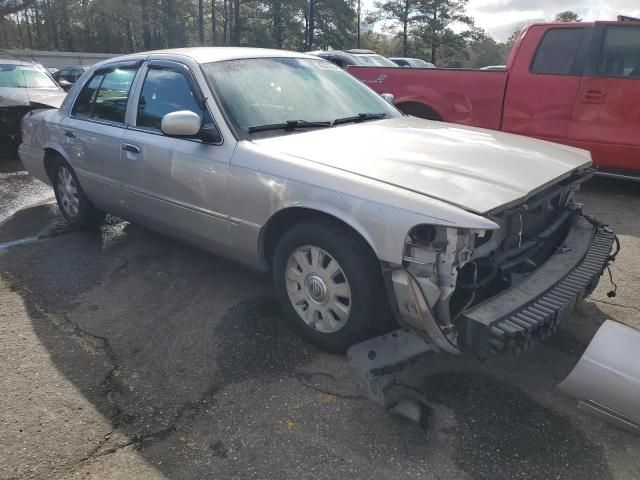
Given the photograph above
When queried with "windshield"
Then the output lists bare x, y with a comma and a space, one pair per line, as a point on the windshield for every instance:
374, 61
24, 76
268, 91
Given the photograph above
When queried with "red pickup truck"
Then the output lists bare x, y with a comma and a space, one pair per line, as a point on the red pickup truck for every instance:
572, 83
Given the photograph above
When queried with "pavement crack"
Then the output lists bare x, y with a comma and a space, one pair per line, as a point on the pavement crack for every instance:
186, 408
96, 452
304, 378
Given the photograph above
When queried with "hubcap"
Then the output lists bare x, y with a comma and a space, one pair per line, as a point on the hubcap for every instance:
318, 289
68, 192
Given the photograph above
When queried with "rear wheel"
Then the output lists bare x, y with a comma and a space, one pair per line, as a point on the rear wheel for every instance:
330, 285
76, 208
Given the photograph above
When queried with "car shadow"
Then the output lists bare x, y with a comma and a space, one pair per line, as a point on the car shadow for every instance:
189, 358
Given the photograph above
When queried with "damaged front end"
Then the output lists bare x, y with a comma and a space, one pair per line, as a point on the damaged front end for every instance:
485, 291
491, 291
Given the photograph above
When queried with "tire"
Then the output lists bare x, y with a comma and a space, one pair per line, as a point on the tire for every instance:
318, 244
76, 208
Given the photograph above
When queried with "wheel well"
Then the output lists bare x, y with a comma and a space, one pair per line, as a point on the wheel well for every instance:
50, 156
287, 218
420, 110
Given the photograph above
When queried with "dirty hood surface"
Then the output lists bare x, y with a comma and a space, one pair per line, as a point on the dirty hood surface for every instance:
476, 169
34, 97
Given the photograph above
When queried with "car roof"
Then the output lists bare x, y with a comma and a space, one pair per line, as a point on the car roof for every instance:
218, 54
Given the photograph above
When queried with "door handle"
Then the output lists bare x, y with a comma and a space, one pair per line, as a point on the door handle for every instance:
593, 95
128, 147
70, 133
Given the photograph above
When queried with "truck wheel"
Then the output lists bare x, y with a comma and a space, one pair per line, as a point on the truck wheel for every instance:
76, 208
330, 285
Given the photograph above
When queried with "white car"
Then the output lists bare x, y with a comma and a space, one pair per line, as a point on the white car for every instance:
367, 218
24, 86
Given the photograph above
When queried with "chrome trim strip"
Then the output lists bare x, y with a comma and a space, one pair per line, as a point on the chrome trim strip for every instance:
188, 206
98, 178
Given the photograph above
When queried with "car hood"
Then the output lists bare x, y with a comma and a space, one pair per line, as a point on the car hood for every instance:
476, 169
35, 97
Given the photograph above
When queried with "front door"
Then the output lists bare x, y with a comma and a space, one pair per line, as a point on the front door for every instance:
176, 184
607, 114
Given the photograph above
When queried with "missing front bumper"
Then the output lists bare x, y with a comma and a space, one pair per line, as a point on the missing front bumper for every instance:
519, 317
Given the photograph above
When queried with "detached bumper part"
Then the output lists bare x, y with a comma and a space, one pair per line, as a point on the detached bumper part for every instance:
606, 380
375, 363
517, 318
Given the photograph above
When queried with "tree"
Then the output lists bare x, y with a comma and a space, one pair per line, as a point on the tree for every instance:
483, 50
436, 18
406, 12
9, 7
567, 16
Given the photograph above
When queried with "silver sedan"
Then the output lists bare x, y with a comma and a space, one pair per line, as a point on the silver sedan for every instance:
366, 217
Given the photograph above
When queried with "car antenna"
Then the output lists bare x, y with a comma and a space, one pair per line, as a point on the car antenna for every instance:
24, 78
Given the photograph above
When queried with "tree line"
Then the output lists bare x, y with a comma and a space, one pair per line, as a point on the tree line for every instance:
417, 28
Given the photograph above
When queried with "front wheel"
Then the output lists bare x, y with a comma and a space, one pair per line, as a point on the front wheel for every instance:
330, 285
76, 208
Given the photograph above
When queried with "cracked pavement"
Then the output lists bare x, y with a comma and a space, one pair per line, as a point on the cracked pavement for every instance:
130, 355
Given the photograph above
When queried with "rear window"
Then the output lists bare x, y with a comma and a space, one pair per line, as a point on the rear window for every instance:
620, 54
557, 52
105, 96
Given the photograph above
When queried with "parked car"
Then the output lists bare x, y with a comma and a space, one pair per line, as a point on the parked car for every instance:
411, 62
68, 76
23, 87
285, 162
345, 58
571, 83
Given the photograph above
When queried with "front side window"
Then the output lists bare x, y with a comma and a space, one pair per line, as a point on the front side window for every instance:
105, 96
557, 52
164, 91
620, 55
264, 91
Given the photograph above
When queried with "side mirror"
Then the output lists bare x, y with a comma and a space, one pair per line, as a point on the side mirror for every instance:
388, 97
182, 123
185, 123
65, 85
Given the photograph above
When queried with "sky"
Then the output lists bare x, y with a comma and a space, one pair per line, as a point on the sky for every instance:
501, 17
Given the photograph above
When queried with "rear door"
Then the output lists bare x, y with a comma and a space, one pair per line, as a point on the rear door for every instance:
94, 129
606, 119
544, 81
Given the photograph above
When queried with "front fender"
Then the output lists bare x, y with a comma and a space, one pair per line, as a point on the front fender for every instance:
261, 186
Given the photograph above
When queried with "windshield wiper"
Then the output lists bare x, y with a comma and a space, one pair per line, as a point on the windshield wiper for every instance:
361, 117
289, 125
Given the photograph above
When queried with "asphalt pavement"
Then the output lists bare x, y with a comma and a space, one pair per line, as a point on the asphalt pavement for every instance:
126, 354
